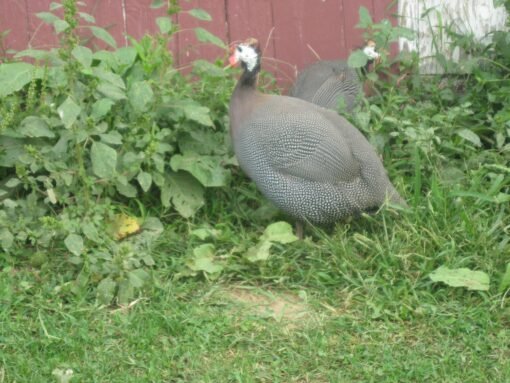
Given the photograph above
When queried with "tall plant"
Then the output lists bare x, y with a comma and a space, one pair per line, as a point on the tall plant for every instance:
87, 136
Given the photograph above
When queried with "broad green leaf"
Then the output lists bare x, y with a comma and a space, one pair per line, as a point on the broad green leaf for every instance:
140, 95
87, 17
145, 180
101, 108
60, 26
259, 252
362, 120
203, 141
106, 57
111, 91
83, 55
14, 76
463, 277
505, 280
164, 24
47, 17
364, 18
105, 291
470, 136
207, 67
33, 126
205, 36
113, 138
185, 192
109, 77
125, 56
125, 292
13, 182
90, 231
138, 277
42, 55
126, 190
54, 5
62, 375
280, 232
372, 76
74, 244
200, 14
104, 35
131, 161
205, 232
206, 169
195, 112
104, 160
57, 78
204, 260
12, 149
157, 3
502, 198
153, 224
6, 238
68, 112
357, 59
52, 197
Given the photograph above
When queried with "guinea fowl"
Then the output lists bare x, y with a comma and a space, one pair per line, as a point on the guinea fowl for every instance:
309, 161
326, 82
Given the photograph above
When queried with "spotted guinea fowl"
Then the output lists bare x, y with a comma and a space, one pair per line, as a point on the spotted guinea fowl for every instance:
325, 83
309, 161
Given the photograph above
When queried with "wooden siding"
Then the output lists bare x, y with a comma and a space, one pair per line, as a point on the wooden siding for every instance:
292, 32
478, 17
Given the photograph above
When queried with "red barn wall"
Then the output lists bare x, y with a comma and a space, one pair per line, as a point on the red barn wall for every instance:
292, 32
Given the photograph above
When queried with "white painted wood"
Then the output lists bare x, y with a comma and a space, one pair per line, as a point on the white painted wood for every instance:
478, 17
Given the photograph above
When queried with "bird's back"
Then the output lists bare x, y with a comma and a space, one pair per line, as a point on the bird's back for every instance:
325, 83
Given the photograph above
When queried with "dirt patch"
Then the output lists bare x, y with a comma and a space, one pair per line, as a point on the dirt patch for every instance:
283, 307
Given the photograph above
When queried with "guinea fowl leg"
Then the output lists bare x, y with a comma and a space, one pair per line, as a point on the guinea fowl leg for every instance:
299, 229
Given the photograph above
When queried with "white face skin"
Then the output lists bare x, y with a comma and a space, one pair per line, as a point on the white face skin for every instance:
370, 52
247, 55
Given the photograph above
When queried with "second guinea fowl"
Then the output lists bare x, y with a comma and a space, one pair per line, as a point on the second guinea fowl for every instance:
309, 161
326, 83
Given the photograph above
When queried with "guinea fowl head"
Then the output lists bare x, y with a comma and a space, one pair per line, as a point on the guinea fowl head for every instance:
248, 54
370, 50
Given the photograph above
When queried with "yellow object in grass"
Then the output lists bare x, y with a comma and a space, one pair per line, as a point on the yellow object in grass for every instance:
123, 226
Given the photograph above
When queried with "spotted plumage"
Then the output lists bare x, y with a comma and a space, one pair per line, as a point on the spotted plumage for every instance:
309, 161
327, 83
330, 83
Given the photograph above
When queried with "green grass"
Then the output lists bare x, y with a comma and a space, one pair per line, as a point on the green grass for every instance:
369, 311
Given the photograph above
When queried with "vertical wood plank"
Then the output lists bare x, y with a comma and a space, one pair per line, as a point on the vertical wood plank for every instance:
189, 48
41, 35
13, 17
353, 35
248, 18
110, 16
478, 17
141, 20
308, 29
384, 10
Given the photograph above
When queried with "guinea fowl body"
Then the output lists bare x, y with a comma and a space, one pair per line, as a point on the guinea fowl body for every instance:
309, 161
326, 83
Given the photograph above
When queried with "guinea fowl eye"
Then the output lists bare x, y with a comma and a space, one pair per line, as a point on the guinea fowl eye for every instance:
239, 49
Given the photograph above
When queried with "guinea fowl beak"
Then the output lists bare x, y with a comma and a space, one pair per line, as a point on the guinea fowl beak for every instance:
232, 60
